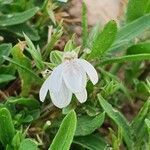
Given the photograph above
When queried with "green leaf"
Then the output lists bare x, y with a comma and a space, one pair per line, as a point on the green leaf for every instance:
6, 78
137, 124
28, 102
147, 121
86, 125
28, 144
5, 2
117, 81
121, 59
136, 9
18, 18
119, 119
69, 45
91, 142
54, 39
34, 53
64, 136
40, 81
27, 79
140, 48
7, 130
142, 88
18, 137
121, 45
104, 40
19, 29
4, 51
93, 34
91, 110
130, 31
35, 113
134, 28
56, 57
7, 69
9, 147
116, 139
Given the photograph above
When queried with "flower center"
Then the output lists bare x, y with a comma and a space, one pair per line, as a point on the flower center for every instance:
69, 56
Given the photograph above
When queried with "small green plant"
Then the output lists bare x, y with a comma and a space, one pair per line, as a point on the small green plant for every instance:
96, 93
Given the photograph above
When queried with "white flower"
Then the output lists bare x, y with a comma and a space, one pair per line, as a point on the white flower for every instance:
69, 78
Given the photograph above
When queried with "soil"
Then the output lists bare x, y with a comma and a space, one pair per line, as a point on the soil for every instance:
99, 10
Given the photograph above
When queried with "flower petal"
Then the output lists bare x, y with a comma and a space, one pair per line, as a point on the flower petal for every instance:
55, 79
43, 90
89, 69
74, 76
81, 96
62, 98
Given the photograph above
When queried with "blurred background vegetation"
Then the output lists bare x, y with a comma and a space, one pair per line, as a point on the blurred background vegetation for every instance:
33, 34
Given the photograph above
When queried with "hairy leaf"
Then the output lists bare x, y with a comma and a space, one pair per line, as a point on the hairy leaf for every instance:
119, 119
28, 144
18, 18
139, 48
91, 142
7, 130
64, 136
131, 31
86, 125
56, 57
137, 124
4, 51
28, 102
19, 29
6, 78
104, 40
136, 9
26, 78
34, 53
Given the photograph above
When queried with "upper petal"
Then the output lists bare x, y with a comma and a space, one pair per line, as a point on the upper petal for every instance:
74, 76
44, 90
81, 96
89, 69
62, 98
55, 79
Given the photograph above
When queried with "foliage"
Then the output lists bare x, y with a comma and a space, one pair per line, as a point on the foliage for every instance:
117, 112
